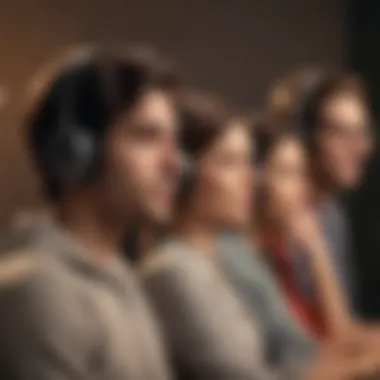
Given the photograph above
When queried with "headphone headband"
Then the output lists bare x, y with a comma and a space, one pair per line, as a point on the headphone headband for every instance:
64, 143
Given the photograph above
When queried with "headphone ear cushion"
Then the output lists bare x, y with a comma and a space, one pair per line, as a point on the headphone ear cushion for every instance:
70, 156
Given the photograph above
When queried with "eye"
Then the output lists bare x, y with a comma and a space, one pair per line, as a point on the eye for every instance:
145, 132
226, 159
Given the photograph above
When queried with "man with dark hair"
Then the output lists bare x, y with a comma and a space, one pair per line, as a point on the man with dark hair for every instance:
333, 115
103, 139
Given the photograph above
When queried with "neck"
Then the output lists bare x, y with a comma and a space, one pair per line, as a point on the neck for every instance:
146, 240
320, 191
321, 187
271, 231
97, 231
267, 225
198, 233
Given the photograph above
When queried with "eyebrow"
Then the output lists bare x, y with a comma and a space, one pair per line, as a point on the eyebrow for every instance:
146, 124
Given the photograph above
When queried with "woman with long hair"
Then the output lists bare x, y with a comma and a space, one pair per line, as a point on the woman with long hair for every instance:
287, 228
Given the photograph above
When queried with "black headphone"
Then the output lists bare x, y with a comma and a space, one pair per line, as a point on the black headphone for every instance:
95, 88
70, 147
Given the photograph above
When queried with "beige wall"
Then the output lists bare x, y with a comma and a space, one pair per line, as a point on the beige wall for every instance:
235, 47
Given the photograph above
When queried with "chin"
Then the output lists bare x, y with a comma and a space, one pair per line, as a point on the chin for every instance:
349, 183
160, 215
238, 222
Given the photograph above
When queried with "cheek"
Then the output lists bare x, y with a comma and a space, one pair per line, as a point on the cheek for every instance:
227, 196
336, 155
140, 161
210, 193
340, 160
129, 170
287, 194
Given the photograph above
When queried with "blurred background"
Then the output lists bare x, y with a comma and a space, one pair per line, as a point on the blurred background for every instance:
234, 47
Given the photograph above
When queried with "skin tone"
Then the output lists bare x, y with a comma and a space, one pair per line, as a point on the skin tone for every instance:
343, 143
286, 180
220, 196
219, 199
343, 146
289, 209
137, 179
290, 212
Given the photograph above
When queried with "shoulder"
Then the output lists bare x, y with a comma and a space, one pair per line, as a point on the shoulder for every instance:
31, 277
38, 300
22, 260
24, 292
19, 260
176, 270
25, 277
248, 266
237, 250
230, 242
169, 258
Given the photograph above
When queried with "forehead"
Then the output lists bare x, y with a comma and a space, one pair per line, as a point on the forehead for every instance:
345, 108
288, 150
155, 107
235, 137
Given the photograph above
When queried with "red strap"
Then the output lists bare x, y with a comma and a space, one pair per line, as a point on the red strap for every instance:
307, 313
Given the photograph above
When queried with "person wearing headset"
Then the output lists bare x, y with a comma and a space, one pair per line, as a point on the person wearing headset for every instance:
102, 136
211, 329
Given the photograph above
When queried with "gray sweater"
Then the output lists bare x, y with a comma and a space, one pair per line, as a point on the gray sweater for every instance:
65, 316
336, 232
213, 333
287, 343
